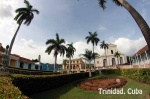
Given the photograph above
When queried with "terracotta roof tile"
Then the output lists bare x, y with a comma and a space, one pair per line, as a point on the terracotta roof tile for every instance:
25, 60
142, 50
2, 49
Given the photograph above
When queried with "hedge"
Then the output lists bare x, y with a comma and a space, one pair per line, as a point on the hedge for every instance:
29, 72
8, 90
139, 74
30, 84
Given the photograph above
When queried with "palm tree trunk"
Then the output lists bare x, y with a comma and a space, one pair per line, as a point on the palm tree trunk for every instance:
94, 57
55, 63
90, 74
106, 57
139, 20
11, 44
69, 64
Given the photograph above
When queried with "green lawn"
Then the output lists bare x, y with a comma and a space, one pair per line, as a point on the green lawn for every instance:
69, 91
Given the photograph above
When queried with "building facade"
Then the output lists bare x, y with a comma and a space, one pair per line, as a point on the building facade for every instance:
50, 67
76, 64
141, 58
108, 58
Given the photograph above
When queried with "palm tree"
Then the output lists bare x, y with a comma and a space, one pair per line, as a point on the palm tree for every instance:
69, 53
89, 56
93, 39
23, 14
57, 46
137, 17
64, 62
104, 46
117, 54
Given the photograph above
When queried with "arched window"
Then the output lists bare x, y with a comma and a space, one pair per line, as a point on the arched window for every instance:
113, 62
104, 63
121, 60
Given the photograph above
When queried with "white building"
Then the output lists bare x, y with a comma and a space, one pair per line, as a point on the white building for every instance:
141, 58
108, 59
17, 61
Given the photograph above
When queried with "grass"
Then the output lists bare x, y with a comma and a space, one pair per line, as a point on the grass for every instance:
69, 91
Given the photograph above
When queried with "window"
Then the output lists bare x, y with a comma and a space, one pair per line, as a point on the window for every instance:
36, 67
29, 66
21, 64
111, 51
97, 62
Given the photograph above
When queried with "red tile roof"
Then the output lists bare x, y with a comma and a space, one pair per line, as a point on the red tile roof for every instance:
142, 50
2, 49
22, 59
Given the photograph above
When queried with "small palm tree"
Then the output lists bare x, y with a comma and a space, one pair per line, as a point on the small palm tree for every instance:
64, 62
57, 46
89, 56
137, 17
4, 58
104, 46
23, 14
69, 53
117, 54
93, 39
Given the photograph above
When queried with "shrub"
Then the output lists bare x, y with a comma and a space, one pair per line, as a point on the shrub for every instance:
30, 84
8, 90
138, 74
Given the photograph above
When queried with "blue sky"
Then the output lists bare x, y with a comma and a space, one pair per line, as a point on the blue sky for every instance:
72, 19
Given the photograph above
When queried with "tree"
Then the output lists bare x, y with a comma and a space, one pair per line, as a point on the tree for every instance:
137, 17
23, 14
4, 58
104, 46
117, 54
89, 56
93, 39
69, 53
57, 46
64, 62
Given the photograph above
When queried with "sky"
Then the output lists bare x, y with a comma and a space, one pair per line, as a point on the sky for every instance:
72, 20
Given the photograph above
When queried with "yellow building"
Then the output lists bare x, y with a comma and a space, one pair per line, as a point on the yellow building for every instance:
76, 64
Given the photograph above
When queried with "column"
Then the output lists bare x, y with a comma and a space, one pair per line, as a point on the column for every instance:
146, 57
141, 60
138, 62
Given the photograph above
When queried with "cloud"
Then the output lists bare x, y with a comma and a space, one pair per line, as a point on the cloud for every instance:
29, 43
5, 11
28, 49
101, 28
128, 46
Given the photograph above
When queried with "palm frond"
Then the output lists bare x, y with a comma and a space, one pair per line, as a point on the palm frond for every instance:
20, 9
50, 41
117, 2
35, 10
102, 4
57, 36
27, 3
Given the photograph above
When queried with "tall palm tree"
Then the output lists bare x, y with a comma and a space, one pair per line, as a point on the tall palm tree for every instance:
69, 53
137, 17
89, 56
57, 46
117, 54
104, 46
93, 39
23, 14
